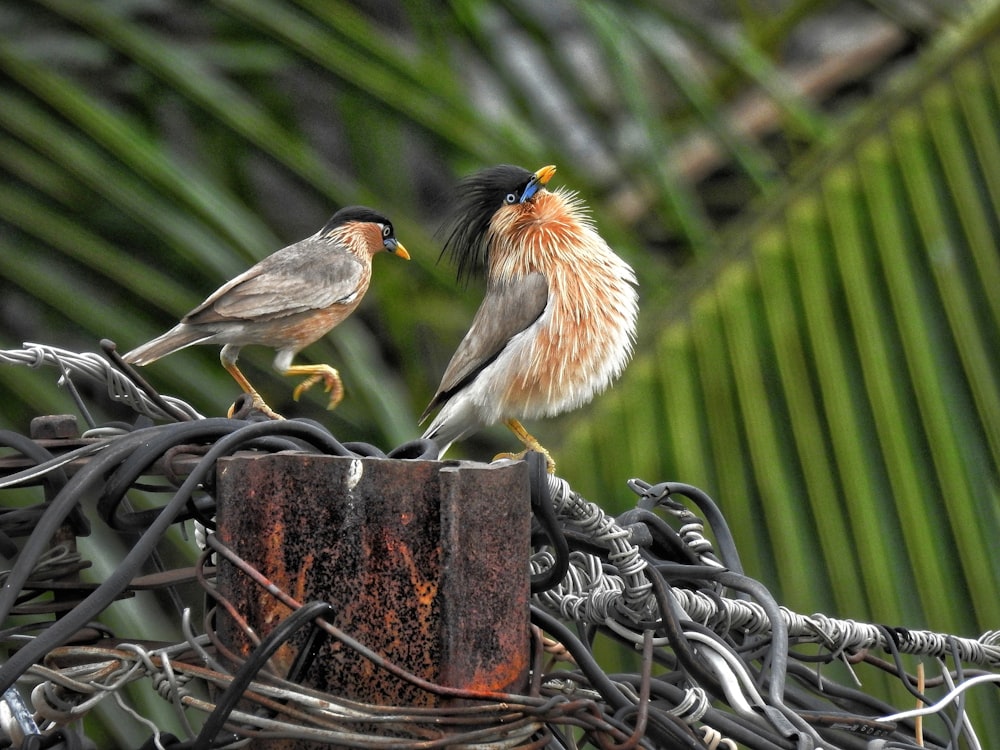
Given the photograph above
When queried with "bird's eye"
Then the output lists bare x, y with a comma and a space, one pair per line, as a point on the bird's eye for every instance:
510, 198
386, 230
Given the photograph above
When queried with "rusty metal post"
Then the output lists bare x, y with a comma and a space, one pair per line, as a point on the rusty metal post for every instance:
424, 562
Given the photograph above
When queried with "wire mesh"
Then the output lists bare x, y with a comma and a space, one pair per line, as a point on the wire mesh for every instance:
718, 663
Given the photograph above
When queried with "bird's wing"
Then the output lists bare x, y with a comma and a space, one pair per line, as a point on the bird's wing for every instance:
310, 275
506, 310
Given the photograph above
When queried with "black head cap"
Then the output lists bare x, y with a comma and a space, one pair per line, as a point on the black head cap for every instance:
477, 198
354, 213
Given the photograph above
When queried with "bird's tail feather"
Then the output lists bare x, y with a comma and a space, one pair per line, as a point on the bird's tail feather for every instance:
444, 430
176, 338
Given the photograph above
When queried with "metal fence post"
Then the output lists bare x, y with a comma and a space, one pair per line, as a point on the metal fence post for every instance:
424, 562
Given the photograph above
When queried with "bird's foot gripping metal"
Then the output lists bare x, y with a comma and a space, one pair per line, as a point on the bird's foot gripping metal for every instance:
550, 465
330, 377
256, 403
530, 444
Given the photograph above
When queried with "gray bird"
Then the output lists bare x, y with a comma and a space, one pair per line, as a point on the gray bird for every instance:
287, 301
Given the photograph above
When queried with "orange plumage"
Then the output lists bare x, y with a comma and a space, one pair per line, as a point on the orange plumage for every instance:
557, 322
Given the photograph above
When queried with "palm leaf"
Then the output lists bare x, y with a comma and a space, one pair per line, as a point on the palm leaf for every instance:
835, 382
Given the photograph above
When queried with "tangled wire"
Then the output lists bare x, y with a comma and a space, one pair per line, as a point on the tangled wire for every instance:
719, 664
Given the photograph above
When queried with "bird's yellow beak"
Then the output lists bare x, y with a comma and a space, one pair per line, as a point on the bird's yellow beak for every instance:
543, 175
537, 182
401, 251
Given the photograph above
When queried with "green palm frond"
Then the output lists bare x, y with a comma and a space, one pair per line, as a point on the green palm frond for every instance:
835, 379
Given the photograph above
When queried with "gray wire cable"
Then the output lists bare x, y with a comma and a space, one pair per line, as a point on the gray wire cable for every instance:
95, 367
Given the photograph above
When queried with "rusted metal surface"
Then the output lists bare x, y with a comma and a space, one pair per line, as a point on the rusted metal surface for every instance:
54, 427
415, 557
55, 437
485, 530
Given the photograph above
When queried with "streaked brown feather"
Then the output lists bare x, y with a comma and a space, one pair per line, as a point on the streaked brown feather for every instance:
476, 199
588, 329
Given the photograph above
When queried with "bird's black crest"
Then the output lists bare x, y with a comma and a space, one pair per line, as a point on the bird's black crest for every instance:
354, 213
477, 198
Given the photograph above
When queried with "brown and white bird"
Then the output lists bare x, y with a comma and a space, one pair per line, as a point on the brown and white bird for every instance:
287, 301
557, 322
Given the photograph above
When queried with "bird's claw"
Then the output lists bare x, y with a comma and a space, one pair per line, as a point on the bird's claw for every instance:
530, 444
331, 384
550, 464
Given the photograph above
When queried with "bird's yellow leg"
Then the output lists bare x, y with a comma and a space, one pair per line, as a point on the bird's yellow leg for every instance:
241, 379
530, 444
316, 373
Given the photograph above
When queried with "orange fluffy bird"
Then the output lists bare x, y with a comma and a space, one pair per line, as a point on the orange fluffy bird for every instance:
557, 322
287, 301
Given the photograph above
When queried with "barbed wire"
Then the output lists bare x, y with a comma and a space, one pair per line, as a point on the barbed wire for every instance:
589, 593
719, 661
123, 388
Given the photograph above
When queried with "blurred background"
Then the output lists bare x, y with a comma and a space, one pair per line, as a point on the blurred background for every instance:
808, 190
